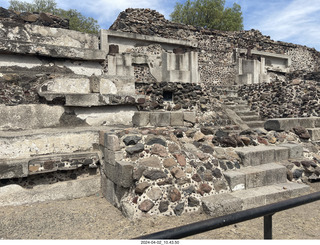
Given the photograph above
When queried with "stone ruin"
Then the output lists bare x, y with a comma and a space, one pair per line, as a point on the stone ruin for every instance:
162, 118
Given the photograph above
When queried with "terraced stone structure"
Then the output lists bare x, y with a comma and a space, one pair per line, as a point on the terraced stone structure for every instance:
148, 113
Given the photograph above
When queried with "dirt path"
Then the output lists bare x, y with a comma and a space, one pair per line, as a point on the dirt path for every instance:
94, 218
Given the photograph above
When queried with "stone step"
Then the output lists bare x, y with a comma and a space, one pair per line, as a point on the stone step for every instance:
223, 204
250, 118
246, 113
257, 155
255, 124
257, 176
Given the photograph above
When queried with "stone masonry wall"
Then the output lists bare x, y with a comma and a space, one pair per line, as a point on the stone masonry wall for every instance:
216, 62
296, 95
167, 171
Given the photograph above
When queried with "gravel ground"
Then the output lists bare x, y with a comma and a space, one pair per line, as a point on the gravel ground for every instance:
94, 218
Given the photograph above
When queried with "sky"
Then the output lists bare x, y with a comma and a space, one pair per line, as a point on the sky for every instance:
294, 21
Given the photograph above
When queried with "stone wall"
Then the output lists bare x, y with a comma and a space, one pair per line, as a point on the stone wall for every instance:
65, 97
216, 48
291, 96
167, 171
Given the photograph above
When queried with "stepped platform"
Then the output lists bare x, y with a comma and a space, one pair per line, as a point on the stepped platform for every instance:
261, 180
257, 176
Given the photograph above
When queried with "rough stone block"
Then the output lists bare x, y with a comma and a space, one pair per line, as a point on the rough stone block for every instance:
141, 119
55, 162
253, 156
265, 174
112, 192
314, 133
307, 122
94, 84
111, 157
83, 100
281, 153
125, 174
176, 119
189, 117
316, 122
13, 168
295, 150
256, 176
160, 119
121, 173
22, 117
110, 141
281, 124
219, 205
236, 180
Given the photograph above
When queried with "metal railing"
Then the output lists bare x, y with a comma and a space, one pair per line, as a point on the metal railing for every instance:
207, 225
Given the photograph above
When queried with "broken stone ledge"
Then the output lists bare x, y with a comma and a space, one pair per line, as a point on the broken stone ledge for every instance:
311, 124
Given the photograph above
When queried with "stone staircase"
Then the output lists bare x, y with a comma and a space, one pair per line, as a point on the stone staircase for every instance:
230, 98
262, 180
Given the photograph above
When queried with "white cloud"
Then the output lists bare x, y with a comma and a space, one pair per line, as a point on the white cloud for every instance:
295, 21
106, 11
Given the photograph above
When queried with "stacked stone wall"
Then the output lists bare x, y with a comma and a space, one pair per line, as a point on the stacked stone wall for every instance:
216, 62
285, 98
167, 171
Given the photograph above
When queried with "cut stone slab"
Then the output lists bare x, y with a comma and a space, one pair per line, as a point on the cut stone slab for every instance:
314, 133
282, 124
13, 168
21, 117
160, 119
176, 119
141, 119
189, 117
24, 144
219, 205
295, 150
13, 195
257, 176
223, 204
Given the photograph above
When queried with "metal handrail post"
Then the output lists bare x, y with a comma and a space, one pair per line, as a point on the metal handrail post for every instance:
267, 226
